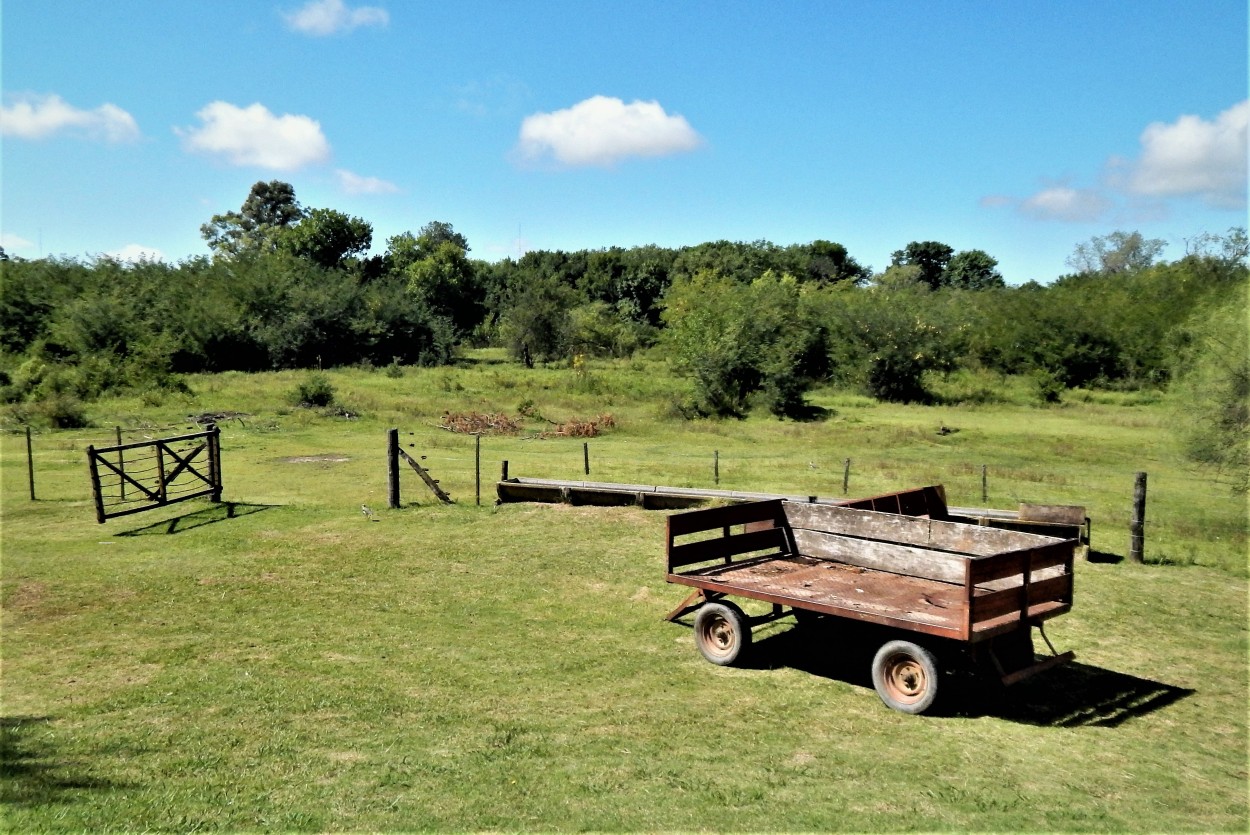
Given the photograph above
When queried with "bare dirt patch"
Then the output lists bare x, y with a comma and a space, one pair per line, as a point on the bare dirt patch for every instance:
324, 458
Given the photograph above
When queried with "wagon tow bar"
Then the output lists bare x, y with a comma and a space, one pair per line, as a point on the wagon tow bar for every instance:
1055, 660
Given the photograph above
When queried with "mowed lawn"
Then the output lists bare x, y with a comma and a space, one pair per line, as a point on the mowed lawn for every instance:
284, 662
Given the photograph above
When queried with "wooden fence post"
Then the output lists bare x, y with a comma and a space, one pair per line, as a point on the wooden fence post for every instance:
716, 466
30, 464
214, 461
121, 462
503, 471
846, 476
97, 496
985, 490
477, 466
1137, 527
392, 468
586, 457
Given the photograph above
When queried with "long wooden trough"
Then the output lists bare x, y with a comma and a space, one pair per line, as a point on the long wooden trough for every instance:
1062, 521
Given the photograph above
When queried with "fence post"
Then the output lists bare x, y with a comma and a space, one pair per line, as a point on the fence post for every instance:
121, 462
1137, 527
30, 464
503, 471
392, 468
985, 491
846, 476
716, 466
214, 461
586, 457
96, 495
477, 466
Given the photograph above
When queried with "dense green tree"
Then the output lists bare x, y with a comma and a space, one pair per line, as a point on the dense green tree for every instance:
931, 257
972, 269
444, 281
830, 262
1118, 252
536, 324
887, 339
327, 237
269, 208
735, 340
1212, 394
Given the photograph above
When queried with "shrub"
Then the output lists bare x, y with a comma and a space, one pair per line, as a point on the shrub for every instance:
315, 391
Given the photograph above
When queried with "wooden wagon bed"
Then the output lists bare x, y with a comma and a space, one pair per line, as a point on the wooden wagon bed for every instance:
946, 579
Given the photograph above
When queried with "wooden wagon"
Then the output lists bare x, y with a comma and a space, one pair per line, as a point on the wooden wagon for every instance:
935, 588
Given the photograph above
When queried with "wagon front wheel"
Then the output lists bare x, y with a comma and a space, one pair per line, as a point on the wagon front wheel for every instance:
905, 676
722, 633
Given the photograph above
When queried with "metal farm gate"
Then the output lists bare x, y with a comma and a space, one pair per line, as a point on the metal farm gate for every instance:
132, 478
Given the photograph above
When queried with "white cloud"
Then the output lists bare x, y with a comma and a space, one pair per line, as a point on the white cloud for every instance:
136, 252
254, 136
11, 242
38, 117
603, 131
1077, 205
328, 17
1192, 157
356, 184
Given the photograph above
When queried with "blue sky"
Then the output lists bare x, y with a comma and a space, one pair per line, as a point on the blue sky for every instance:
1021, 129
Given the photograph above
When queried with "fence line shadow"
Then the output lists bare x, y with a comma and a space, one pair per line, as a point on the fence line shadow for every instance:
30, 772
218, 512
1073, 695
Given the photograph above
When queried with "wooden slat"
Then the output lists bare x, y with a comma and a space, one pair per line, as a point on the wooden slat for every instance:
680, 524
965, 538
998, 566
1057, 514
986, 629
842, 608
882, 556
921, 501
869, 524
726, 546
997, 603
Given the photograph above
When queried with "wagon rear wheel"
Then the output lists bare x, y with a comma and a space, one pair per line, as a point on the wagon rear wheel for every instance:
722, 633
905, 676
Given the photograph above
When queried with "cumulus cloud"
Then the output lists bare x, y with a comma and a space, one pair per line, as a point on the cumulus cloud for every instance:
1192, 157
320, 18
135, 253
39, 117
602, 131
254, 136
9, 242
1076, 205
356, 184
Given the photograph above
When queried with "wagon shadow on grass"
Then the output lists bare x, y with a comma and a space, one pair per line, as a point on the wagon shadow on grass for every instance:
31, 773
218, 512
1073, 695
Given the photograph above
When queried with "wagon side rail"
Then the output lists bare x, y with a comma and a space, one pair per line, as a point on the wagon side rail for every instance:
1018, 588
763, 526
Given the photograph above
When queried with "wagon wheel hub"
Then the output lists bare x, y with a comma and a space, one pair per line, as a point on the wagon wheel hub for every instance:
906, 678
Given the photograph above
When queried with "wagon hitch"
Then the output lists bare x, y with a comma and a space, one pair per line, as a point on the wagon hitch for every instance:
1056, 659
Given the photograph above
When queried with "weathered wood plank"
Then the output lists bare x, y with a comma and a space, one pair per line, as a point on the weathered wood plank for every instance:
1056, 514
882, 556
680, 524
726, 546
994, 604
998, 566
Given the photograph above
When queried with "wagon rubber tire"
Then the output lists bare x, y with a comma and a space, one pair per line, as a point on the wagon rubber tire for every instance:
905, 676
722, 633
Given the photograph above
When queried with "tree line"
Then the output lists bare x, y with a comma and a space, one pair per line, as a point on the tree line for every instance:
288, 286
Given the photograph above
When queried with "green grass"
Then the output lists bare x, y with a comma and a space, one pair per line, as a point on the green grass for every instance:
295, 666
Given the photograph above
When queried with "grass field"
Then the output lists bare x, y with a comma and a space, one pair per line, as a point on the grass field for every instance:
282, 662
